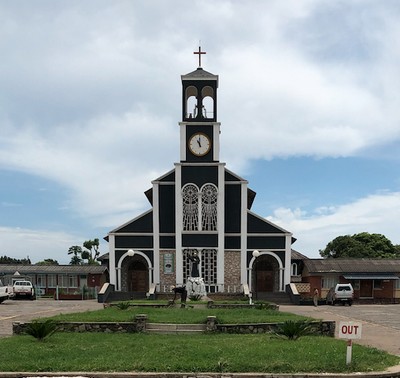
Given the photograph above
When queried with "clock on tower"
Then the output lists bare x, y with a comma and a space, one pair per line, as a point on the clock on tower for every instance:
199, 126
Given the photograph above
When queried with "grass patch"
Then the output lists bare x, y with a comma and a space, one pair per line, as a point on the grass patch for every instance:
181, 315
101, 352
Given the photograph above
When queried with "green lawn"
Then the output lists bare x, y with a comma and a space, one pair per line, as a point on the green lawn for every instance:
185, 353
177, 315
108, 352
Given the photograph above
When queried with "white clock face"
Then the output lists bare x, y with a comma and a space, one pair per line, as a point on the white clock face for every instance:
199, 144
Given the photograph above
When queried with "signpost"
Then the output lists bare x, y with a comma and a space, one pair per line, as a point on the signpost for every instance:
349, 331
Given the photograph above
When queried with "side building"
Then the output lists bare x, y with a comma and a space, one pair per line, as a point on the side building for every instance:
81, 280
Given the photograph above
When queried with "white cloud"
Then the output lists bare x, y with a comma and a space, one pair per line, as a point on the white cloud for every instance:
377, 213
20, 243
91, 99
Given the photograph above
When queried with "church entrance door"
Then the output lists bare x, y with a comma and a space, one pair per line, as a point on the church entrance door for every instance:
138, 277
265, 280
265, 276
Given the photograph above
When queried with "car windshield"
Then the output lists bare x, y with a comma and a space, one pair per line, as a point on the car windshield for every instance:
344, 288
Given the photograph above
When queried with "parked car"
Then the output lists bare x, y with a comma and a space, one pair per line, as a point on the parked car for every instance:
4, 292
341, 293
23, 289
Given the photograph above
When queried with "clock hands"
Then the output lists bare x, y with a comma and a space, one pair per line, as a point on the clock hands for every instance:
198, 142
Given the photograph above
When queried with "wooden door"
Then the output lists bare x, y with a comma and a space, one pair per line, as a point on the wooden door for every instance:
138, 277
265, 281
366, 288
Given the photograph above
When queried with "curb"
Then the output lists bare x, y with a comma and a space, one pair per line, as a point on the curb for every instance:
392, 372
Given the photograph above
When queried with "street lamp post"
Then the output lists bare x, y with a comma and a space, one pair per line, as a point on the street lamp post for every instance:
255, 254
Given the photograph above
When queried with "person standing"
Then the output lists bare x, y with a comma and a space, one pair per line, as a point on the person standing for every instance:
316, 297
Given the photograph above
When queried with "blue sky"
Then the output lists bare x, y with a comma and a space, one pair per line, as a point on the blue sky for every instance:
90, 100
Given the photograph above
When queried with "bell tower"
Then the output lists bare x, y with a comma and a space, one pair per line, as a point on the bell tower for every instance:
199, 126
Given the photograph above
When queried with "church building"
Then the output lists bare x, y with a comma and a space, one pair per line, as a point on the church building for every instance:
200, 208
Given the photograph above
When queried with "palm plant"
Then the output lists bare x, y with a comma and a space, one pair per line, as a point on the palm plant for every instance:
292, 330
41, 329
123, 305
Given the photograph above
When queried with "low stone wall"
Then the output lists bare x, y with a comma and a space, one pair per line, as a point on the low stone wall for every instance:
107, 327
326, 328
268, 306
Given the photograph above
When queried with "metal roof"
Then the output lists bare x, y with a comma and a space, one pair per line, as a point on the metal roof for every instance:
296, 255
52, 269
200, 74
370, 277
332, 265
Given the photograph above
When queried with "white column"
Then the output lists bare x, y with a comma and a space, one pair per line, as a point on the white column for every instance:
221, 228
112, 267
182, 145
281, 279
178, 225
156, 235
216, 148
288, 260
243, 233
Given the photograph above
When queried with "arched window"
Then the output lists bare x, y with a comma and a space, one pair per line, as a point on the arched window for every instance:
207, 94
190, 198
191, 102
209, 195
294, 269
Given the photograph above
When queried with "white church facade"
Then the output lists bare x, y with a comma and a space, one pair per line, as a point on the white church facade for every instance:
200, 208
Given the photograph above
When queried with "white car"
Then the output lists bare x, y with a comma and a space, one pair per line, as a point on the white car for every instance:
4, 292
23, 289
341, 293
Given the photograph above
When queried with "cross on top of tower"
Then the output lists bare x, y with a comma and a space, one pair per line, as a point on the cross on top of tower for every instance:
199, 53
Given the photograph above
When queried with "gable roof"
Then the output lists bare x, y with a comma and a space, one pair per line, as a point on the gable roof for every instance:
200, 74
257, 224
332, 265
142, 223
298, 256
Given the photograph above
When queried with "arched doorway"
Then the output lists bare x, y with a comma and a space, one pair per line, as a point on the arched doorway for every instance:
265, 275
138, 276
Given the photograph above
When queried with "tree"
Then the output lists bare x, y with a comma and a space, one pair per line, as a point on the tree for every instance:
76, 251
85, 256
12, 261
47, 262
92, 251
360, 245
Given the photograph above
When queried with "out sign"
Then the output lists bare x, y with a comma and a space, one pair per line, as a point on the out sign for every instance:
350, 330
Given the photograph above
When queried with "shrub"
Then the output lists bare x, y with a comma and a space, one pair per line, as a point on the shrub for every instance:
41, 329
292, 330
195, 297
123, 305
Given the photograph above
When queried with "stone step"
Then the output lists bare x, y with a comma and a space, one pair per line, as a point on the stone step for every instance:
174, 328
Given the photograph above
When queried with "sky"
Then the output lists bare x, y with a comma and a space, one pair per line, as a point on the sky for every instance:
90, 100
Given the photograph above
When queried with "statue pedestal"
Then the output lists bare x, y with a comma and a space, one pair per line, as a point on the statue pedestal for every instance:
195, 287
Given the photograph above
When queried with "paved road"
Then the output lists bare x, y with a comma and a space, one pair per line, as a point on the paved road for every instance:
380, 323
25, 310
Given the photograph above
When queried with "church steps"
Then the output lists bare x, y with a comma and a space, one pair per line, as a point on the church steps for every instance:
174, 328
277, 298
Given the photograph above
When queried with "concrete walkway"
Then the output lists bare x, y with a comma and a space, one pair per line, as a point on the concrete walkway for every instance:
380, 323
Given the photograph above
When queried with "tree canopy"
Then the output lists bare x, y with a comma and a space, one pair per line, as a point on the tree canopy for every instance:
87, 256
47, 262
359, 245
12, 261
